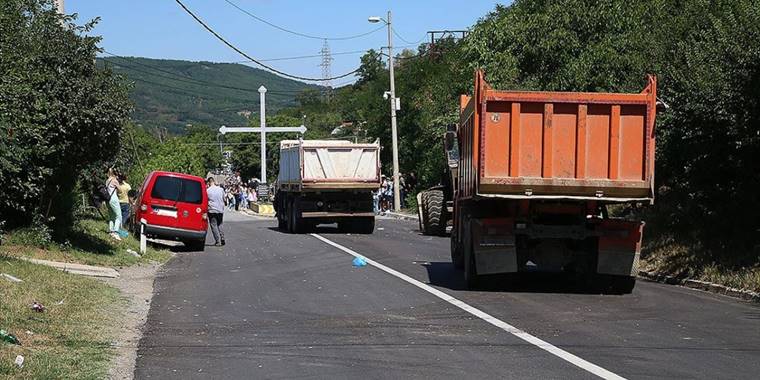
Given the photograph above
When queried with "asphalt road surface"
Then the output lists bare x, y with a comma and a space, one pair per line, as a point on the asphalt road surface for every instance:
276, 305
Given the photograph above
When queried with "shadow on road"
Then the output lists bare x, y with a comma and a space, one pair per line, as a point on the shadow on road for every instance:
443, 274
326, 229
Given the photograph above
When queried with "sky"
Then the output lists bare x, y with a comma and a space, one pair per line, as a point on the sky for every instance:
161, 29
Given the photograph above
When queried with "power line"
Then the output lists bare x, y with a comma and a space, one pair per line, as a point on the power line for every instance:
299, 33
404, 39
272, 69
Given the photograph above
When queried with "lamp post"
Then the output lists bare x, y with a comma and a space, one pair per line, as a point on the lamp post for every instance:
394, 131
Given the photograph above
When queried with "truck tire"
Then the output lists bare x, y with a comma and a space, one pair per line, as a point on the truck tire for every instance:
419, 210
294, 220
457, 258
471, 278
621, 284
365, 225
296, 223
433, 212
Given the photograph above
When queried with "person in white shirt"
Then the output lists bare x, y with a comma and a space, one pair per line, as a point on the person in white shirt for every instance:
215, 210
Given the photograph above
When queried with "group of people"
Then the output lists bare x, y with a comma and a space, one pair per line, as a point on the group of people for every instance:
239, 196
384, 196
120, 197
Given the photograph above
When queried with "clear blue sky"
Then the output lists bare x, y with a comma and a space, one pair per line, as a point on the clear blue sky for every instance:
161, 29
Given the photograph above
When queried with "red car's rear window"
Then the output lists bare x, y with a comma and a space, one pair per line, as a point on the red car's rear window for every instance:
177, 190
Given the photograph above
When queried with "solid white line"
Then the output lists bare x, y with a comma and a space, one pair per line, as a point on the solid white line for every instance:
554, 350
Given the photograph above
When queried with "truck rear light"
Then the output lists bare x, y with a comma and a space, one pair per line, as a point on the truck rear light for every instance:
198, 210
144, 207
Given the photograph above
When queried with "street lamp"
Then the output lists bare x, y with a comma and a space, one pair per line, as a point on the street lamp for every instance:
394, 132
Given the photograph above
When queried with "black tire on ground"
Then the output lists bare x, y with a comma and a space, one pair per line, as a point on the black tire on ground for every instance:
296, 223
364, 225
433, 205
282, 224
471, 278
419, 210
196, 245
457, 258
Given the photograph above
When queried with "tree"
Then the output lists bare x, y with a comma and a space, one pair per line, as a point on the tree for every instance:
58, 111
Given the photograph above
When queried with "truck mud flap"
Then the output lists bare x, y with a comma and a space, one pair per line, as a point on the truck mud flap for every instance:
493, 242
619, 247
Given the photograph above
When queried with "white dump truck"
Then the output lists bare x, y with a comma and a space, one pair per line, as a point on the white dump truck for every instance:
327, 181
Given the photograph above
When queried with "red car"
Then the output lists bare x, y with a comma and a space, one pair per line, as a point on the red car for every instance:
173, 206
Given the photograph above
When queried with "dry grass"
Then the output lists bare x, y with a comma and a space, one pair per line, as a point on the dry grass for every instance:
667, 255
72, 338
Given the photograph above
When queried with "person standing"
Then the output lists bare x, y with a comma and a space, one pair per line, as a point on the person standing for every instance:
114, 209
215, 210
122, 190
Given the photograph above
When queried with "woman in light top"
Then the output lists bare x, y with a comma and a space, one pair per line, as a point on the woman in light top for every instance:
114, 209
123, 193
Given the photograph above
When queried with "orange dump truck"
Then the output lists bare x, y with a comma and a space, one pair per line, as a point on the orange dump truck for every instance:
536, 174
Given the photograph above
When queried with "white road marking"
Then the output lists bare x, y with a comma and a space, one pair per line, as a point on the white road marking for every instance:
552, 349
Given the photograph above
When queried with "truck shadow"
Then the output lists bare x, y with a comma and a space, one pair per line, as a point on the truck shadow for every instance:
444, 274
326, 229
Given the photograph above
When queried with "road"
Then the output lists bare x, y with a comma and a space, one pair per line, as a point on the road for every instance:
275, 305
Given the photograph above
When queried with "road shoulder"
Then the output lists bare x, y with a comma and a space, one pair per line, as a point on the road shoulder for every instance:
136, 287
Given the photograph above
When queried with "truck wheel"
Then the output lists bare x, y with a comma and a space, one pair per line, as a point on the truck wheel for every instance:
456, 253
471, 278
433, 211
296, 224
365, 225
282, 224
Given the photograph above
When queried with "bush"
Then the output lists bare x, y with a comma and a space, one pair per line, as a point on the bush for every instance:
58, 111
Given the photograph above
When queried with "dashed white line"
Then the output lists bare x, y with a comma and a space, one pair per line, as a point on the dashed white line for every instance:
548, 347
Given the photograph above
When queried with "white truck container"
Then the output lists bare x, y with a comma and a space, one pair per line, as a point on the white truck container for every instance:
327, 181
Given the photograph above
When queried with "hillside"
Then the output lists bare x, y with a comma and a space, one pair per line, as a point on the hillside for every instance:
173, 93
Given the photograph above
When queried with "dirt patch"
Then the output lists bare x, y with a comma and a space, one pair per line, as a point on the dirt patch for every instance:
136, 286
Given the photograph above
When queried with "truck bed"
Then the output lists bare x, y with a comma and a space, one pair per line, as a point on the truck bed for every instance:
557, 145
327, 165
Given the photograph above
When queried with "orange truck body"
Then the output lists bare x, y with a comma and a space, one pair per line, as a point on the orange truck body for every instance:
536, 172
570, 145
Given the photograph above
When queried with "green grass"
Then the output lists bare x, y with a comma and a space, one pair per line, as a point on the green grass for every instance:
70, 340
684, 259
87, 243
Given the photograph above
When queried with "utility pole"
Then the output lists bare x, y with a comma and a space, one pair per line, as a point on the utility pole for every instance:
394, 107
394, 130
263, 124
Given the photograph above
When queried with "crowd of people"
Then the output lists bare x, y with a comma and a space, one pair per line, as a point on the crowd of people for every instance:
239, 194
384, 196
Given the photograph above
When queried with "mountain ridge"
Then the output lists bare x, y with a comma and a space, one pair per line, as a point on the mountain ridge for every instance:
171, 93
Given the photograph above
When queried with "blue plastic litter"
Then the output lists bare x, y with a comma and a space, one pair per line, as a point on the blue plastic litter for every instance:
359, 262
123, 233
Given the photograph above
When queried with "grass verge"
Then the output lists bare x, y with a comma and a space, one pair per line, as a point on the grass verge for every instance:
667, 255
72, 338
87, 243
